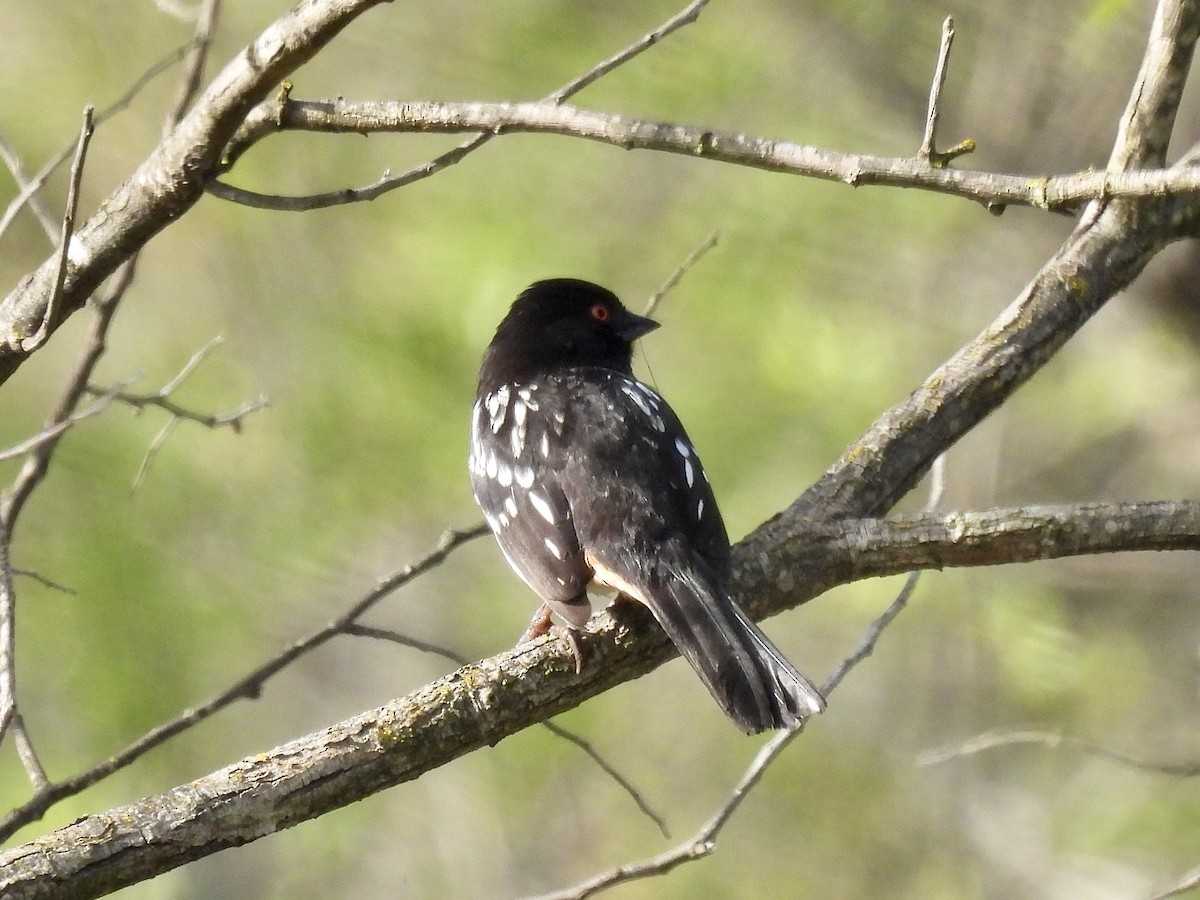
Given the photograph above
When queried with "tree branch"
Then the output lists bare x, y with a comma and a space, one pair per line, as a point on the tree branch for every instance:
1149, 118
340, 116
480, 704
929, 152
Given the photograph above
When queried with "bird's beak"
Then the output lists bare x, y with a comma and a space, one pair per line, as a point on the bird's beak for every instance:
633, 326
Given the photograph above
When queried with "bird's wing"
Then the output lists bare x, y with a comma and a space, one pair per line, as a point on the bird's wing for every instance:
516, 486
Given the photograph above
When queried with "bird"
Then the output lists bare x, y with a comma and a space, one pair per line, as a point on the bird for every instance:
587, 478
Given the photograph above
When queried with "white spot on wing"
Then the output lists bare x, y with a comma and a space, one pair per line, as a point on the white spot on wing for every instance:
510, 506
637, 396
688, 473
524, 477
504, 474
497, 407
700, 508
542, 507
545, 447
526, 394
682, 446
554, 548
491, 466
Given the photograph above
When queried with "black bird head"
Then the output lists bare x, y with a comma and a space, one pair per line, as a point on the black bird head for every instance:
562, 323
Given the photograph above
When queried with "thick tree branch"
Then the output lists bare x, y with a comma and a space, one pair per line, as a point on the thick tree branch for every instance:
481, 704
812, 558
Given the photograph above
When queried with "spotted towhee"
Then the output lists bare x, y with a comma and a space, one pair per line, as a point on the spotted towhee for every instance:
585, 475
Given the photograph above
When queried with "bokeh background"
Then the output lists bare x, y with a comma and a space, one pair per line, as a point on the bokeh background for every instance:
819, 308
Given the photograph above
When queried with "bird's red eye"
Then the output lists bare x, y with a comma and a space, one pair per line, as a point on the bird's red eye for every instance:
600, 312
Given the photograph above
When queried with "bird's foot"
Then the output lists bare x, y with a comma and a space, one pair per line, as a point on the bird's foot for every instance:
542, 623
538, 625
570, 637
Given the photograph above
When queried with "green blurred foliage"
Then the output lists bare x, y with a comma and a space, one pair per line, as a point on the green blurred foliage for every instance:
819, 308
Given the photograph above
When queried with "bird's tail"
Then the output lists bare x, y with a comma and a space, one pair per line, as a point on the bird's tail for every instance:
747, 675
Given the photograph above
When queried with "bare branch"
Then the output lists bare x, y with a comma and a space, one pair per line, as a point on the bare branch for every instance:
10, 712
44, 581
701, 844
161, 399
812, 557
992, 740
40, 211
929, 152
680, 270
36, 465
26, 752
611, 771
685, 16
8, 606
52, 433
38, 338
193, 66
386, 634
1102, 256
1064, 192
395, 637
264, 120
1145, 129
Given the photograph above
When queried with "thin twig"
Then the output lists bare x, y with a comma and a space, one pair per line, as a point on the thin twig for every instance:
680, 270
27, 754
38, 461
44, 581
389, 182
991, 740
10, 713
51, 433
152, 451
929, 152
193, 68
39, 337
685, 16
8, 608
232, 420
395, 637
612, 773
41, 212
161, 399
